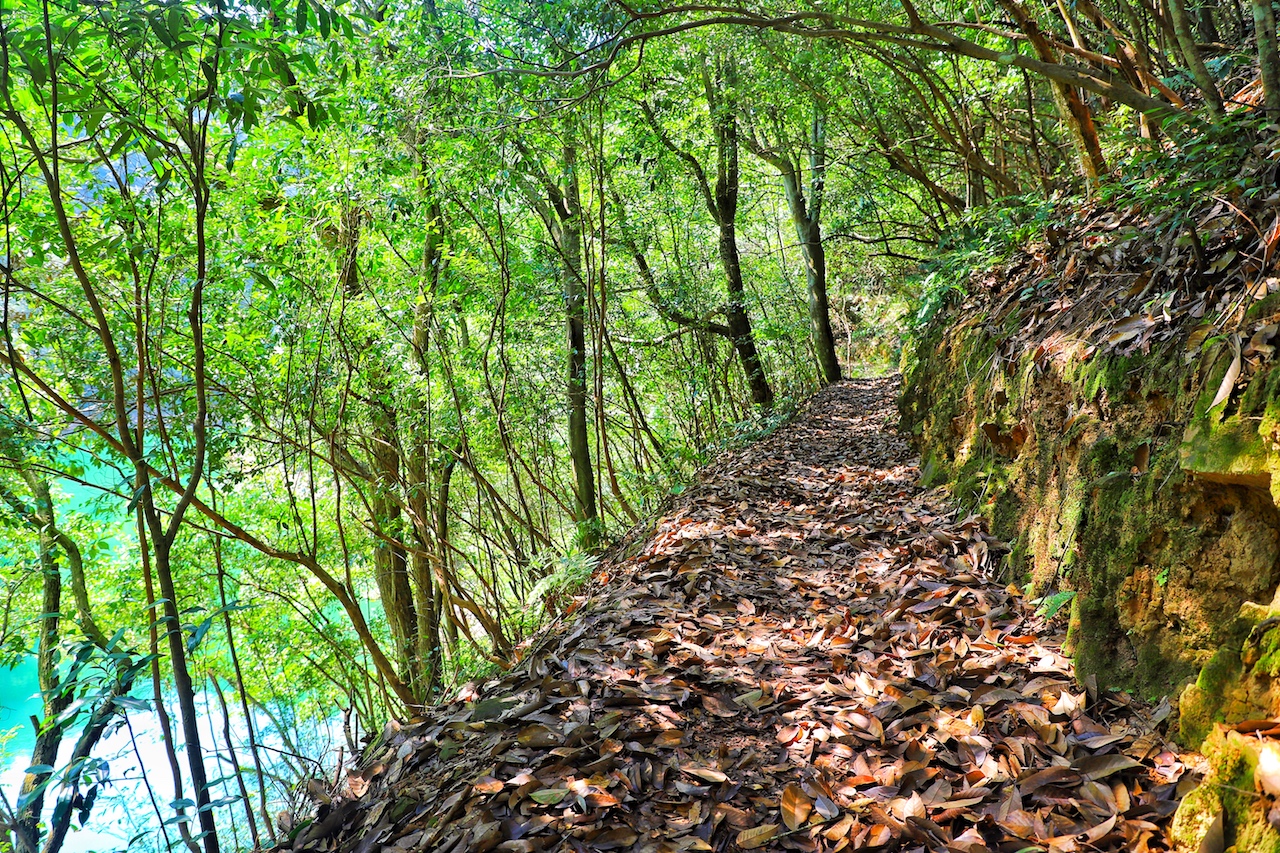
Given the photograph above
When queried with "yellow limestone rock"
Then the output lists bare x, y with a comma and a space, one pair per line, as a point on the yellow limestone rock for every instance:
1266, 778
1226, 805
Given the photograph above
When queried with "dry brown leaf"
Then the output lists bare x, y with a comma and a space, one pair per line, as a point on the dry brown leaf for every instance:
488, 785
614, 839
750, 839
795, 805
707, 774
879, 836
549, 796
1101, 766
538, 736
1230, 377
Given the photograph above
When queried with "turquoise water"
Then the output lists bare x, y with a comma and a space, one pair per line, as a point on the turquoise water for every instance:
123, 817
123, 813
20, 686
19, 702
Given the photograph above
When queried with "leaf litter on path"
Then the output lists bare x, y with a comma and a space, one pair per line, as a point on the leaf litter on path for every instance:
809, 653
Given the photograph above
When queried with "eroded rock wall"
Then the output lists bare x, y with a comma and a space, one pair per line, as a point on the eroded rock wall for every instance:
1121, 430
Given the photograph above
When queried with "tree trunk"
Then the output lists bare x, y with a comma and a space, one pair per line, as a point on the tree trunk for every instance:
185, 690
1182, 27
56, 700
722, 203
561, 210
1206, 26
390, 560
390, 556
1078, 118
570, 226
824, 344
428, 601
1072, 110
157, 689
741, 335
251, 728
725, 208
806, 217
1264, 24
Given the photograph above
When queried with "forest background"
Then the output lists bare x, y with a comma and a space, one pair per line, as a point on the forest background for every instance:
339, 339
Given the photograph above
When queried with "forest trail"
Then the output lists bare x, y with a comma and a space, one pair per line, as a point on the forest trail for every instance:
808, 653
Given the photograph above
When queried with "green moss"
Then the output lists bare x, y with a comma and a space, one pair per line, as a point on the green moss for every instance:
1228, 789
1268, 655
1264, 307
1202, 703
1078, 513
1229, 447
1261, 391
1220, 692
1218, 356
1112, 375
1094, 634
933, 473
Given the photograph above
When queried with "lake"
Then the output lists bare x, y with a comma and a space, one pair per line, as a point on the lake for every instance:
124, 811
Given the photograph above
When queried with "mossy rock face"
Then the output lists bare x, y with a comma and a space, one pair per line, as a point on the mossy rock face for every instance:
1241, 681
1157, 510
1230, 451
1227, 800
1204, 702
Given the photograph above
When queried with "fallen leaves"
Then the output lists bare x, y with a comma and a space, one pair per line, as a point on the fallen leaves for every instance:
806, 655
796, 806
750, 839
1131, 283
1230, 377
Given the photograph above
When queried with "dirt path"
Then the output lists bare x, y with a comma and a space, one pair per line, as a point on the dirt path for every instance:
808, 654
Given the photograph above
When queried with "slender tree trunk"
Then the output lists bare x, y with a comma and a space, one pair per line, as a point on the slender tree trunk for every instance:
741, 334
1075, 114
390, 559
815, 255
824, 342
1072, 110
570, 226
427, 600
560, 207
251, 728
444, 600
245, 800
726, 210
722, 203
103, 713
157, 691
1067, 18
185, 690
1264, 24
1182, 27
1206, 26
50, 730
806, 218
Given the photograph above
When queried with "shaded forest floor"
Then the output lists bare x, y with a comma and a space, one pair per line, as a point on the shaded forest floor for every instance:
808, 653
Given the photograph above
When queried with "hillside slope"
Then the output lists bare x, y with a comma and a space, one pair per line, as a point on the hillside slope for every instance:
1107, 398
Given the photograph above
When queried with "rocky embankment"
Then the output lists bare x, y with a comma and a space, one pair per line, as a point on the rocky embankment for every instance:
1108, 400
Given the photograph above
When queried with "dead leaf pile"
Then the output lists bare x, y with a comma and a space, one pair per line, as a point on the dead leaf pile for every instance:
1125, 281
807, 655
